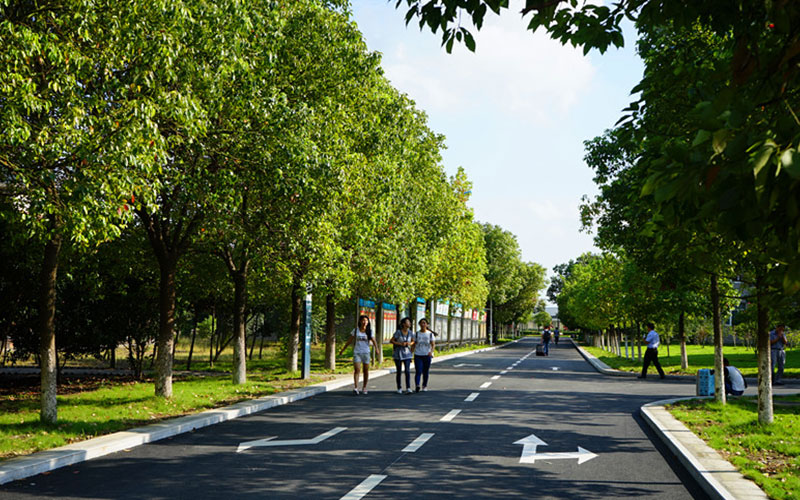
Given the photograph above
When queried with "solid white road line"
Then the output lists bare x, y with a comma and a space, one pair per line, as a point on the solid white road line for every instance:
485, 385
496, 377
450, 416
472, 396
365, 487
417, 443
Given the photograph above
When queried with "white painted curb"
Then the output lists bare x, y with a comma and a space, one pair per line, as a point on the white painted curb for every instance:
718, 477
45, 461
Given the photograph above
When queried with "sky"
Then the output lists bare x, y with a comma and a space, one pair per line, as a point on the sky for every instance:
515, 115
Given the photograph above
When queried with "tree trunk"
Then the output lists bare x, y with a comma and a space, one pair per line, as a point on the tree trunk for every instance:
211, 337
191, 346
239, 309
639, 340
719, 369
330, 332
682, 336
294, 325
47, 328
765, 413
166, 330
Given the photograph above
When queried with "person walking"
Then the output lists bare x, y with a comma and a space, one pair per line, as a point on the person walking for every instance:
403, 341
777, 350
424, 347
735, 383
556, 335
361, 338
651, 354
546, 336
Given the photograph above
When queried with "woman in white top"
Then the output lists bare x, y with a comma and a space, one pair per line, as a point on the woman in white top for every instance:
361, 337
424, 347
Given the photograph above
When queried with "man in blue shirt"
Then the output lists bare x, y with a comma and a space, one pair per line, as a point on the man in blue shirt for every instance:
651, 354
777, 345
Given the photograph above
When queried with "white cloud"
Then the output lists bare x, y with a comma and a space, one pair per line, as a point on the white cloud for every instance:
528, 77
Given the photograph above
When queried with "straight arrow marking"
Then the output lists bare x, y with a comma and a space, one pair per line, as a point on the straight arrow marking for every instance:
417, 443
290, 442
365, 487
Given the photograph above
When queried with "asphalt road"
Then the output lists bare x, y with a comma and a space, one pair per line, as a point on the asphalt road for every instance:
558, 399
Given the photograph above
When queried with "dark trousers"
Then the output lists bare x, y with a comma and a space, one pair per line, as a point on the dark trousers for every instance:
651, 356
422, 366
399, 364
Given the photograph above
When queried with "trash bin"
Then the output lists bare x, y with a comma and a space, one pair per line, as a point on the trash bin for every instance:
705, 382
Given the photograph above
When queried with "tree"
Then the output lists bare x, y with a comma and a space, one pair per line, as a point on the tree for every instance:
76, 106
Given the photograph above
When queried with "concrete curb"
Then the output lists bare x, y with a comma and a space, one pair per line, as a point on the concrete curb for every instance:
48, 460
718, 477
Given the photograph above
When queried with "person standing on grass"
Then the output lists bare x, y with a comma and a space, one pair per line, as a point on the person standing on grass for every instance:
361, 338
777, 351
403, 341
424, 346
651, 355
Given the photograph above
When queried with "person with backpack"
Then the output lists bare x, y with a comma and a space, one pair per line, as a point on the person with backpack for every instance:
423, 348
403, 341
361, 338
546, 341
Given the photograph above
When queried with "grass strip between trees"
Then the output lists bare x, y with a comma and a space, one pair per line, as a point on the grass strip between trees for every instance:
767, 454
91, 407
743, 358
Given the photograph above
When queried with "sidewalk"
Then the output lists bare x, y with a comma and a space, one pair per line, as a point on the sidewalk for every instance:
45, 461
718, 478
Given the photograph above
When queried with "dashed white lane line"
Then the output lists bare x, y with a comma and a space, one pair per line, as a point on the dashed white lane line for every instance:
495, 377
503, 372
450, 416
485, 385
365, 487
417, 443
510, 368
472, 396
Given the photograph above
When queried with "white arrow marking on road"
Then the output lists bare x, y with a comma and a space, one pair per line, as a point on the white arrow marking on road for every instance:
417, 443
292, 442
365, 487
583, 455
465, 364
472, 396
530, 456
450, 416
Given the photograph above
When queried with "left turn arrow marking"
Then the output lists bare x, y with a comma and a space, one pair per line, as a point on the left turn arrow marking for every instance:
292, 442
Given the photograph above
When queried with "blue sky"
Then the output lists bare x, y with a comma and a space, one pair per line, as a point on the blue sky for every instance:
515, 114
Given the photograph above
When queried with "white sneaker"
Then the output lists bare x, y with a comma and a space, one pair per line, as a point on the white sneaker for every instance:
409, 391
424, 389
399, 391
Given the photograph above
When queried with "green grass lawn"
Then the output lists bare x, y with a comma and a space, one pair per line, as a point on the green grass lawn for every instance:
94, 406
767, 454
743, 358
